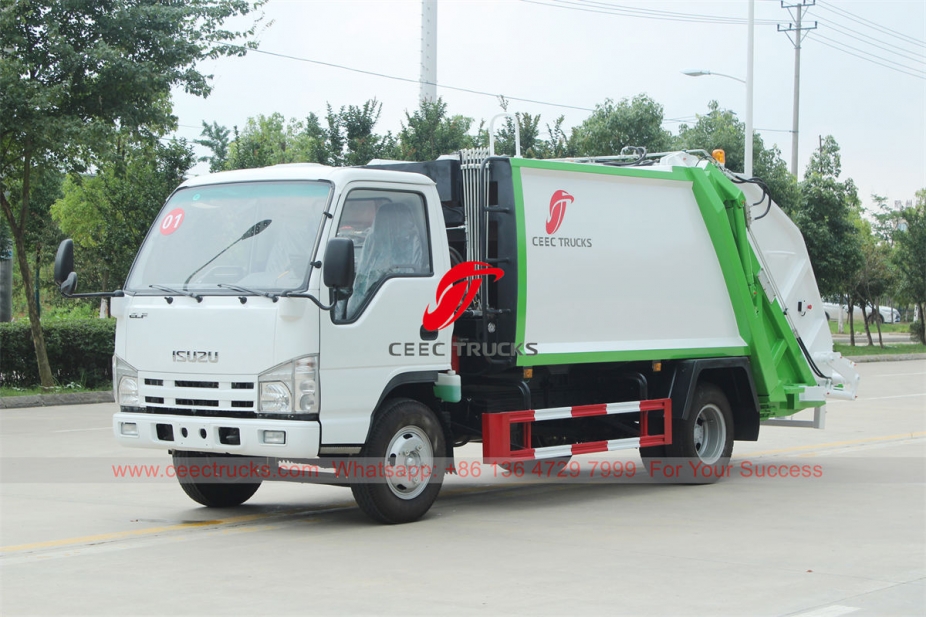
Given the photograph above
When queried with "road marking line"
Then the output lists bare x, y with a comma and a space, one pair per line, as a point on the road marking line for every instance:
893, 375
882, 398
840, 444
829, 611
148, 531
80, 430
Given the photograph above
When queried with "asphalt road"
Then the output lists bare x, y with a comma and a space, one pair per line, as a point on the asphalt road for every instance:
849, 540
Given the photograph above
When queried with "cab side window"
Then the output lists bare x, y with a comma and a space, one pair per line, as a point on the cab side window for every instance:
389, 230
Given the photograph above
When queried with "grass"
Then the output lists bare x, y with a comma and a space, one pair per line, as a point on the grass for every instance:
865, 350
71, 387
903, 328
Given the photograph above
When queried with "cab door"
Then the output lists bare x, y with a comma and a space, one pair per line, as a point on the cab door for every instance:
375, 336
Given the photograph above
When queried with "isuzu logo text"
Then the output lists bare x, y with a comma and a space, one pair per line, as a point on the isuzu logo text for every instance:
456, 291
196, 356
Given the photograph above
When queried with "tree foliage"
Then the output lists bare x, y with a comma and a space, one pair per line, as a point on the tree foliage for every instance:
214, 137
910, 257
73, 72
826, 217
611, 127
267, 140
720, 128
347, 139
430, 132
110, 212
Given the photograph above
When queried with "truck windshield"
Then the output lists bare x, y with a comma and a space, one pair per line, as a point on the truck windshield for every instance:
256, 235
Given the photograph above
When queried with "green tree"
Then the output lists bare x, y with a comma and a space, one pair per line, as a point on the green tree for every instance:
532, 146
827, 218
430, 132
873, 279
611, 127
720, 128
348, 139
214, 137
558, 142
71, 72
361, 144
110, 212
910, 259
269, 140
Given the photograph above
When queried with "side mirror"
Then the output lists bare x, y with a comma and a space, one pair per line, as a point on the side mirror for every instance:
338, 272
64, 261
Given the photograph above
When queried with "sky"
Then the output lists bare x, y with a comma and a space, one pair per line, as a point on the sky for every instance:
863, 69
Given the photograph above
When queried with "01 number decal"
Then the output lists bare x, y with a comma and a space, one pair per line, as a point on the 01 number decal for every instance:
171, 222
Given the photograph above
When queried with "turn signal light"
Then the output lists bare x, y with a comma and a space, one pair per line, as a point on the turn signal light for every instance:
720, 156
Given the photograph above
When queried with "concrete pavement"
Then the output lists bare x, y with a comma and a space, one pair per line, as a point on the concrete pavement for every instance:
849, 542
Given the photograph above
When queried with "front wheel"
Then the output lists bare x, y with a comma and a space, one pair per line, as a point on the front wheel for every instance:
225, 494
405, 451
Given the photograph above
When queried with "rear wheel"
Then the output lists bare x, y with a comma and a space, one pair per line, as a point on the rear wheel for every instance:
407, 444
701, 443
211, 494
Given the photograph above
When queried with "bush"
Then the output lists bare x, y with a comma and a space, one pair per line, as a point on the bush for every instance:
79, 350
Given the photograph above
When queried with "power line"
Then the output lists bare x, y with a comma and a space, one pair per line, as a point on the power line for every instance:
916, 57
605, 8
817, 37
903, 66
416, 81
870, 24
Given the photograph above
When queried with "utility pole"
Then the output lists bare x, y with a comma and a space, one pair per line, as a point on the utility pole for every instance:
428, 79
797, 11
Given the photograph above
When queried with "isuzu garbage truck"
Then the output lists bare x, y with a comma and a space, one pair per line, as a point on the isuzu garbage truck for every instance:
382, 315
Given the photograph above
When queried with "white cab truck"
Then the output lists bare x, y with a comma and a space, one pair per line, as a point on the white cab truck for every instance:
381, 315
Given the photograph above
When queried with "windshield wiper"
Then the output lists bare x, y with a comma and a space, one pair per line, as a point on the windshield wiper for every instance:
189, 294
272, 296
252, 231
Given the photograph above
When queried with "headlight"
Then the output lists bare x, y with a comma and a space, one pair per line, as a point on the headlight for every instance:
291, 387
125, 383
275, 397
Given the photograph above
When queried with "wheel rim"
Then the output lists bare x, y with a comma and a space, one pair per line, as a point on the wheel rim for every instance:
409, 462
710, 434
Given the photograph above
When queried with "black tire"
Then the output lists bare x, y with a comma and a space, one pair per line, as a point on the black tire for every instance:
393, 500
703, 440
211, 494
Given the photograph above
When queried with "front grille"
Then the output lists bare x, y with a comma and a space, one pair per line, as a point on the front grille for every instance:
201, 394
197, 402
196, 384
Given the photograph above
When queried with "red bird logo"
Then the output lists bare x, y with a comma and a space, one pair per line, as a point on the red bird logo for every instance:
456, 292
558, 204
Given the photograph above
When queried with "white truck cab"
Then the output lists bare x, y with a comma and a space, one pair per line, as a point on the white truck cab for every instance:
212, 317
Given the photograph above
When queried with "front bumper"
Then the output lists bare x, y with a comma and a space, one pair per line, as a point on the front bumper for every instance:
212, 434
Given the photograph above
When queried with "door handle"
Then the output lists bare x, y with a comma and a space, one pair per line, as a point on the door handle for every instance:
428, 335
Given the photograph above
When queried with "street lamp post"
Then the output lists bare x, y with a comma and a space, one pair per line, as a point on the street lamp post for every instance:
747, 158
